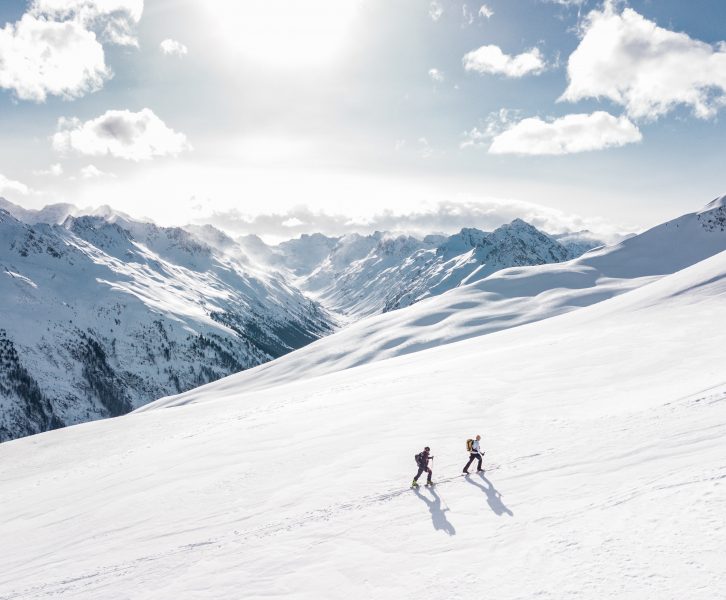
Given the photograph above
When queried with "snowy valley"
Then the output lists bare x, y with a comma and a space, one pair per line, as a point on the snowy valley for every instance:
102, 314
598, 387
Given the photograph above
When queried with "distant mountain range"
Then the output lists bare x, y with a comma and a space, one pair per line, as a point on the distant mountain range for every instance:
102, 314
506, 299
362, 275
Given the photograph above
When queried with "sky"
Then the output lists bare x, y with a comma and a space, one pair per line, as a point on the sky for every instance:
280, 117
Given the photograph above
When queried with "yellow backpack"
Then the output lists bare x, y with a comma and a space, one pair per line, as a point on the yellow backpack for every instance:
469, 445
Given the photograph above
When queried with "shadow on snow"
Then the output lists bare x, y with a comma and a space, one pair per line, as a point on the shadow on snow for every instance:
494, 498
438, 514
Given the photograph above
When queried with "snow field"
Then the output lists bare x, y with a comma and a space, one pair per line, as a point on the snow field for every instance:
607, 423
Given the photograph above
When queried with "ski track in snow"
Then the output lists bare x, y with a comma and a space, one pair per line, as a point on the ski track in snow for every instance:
607, 423
98, 582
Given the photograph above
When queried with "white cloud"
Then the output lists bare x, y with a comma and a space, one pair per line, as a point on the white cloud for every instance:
120, 133
425, 150
493, 125
92, 172
436, 75
486, 12
89, 8
566, 135
491, 59
172, 47
9, 185
467, 14
55, 170
41, 58
114, 20
55, 48
437, 217
435, 10
647, 69
292, 222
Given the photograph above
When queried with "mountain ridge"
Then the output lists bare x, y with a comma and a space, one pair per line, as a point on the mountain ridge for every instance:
121, 312
507, 299
99, 319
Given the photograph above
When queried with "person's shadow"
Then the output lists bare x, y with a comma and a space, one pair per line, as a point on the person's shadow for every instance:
438, 515
494, 498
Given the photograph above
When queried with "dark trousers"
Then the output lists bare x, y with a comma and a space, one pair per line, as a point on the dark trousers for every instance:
423, 470
472, 456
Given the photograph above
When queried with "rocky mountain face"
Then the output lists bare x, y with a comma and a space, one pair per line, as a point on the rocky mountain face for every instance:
100, 317
102, 314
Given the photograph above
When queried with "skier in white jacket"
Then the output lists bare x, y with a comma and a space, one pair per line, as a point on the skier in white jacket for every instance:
474, 453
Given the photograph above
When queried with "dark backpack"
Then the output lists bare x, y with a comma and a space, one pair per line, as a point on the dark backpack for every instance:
418, 458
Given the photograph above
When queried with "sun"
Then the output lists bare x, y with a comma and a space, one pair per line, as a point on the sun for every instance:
285, 33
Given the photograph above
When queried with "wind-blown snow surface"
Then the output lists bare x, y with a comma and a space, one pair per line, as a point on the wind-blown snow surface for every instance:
607, 424
506, 299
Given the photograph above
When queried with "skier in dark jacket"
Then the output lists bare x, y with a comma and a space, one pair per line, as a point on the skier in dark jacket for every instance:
422, 460
474, 454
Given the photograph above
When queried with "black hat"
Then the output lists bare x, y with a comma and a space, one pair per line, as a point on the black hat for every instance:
427, 448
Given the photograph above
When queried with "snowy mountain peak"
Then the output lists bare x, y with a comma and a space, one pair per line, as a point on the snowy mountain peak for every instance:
105, 316
464, 241
398, 246
364, 275
713, 216
56, 214
715, 204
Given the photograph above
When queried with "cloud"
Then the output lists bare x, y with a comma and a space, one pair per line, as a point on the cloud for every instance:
647, 69
55, 48
9, 185
486, 12
436, 75
41, 58
89, 9
114, 20
292, 222
425, 150
567, 135
567, 2
467, 14
443, 217
491, 59
55, 170
435, 10
120, 133
173, 48
92, 172
493, 125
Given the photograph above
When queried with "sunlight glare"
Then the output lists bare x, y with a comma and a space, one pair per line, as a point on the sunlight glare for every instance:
285, 33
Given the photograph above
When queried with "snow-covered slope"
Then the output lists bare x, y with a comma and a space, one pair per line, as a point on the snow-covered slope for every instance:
102, 314
134, 311
604, 432
506, 299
